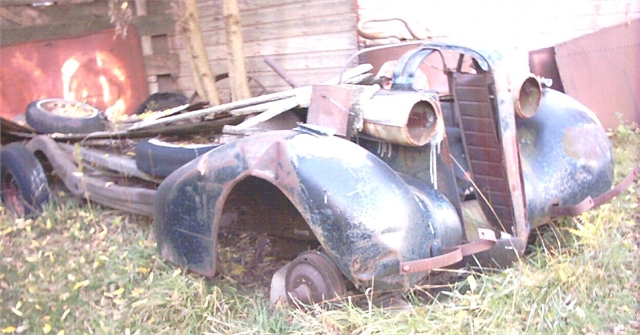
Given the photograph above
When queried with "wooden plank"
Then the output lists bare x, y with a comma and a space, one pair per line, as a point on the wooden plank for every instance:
9, 3
302, 74
10, 19
301, 96
158, 7
291, 28
211, 8
298, 11
306, 68
311, 40
273, 82
159, 64
292, 45
151, 25
71, 12
306, 62
50, 32
147, 25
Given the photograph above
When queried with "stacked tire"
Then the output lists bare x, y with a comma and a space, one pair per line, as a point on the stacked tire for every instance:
160, 158
48, 116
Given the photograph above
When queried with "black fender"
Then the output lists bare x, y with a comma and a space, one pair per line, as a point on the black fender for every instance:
565, 154
365, 216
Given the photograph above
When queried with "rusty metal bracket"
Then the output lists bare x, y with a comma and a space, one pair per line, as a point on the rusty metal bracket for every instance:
487, 239
280, 71
589, 202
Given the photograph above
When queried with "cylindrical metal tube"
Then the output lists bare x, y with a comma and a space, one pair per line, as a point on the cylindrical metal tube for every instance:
527, 96
405, 118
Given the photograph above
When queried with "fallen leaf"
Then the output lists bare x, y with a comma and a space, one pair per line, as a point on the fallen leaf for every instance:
139, 302
64, 296
47, 328
136, 292
473, 284
64, 316
8, 330
563, 276
81, 284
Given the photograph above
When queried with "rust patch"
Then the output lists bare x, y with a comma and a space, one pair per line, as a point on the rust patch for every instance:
98, 69
579, 145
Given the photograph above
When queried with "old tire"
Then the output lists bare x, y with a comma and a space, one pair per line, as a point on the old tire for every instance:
160, 158
23, 183
63, 116
162, 101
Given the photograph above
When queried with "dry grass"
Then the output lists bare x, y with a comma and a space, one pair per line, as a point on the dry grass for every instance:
82, 269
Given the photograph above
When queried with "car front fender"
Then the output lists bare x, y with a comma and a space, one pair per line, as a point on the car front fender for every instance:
566, 156
365, 216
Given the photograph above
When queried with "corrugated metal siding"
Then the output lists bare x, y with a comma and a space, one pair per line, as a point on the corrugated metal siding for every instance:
310, 39
532, 24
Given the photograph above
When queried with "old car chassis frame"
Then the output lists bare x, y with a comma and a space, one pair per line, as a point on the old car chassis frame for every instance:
387, 199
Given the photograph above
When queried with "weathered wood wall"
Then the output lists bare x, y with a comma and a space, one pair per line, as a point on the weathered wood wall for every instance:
310, 39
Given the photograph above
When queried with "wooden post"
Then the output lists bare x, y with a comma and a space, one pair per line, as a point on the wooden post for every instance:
203, 76
237, 72
146, 45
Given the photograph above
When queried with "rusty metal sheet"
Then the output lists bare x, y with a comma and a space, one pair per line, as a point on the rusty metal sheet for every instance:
329, 107
542, 62
601, 70
100, 69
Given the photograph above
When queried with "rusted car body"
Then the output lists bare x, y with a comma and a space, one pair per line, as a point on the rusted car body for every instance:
391, 183
388, 212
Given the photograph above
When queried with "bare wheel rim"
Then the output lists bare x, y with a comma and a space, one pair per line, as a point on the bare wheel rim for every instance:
76, 110
312, 278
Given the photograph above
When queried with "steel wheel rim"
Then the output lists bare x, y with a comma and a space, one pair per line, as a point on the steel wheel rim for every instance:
313, 277
82, 111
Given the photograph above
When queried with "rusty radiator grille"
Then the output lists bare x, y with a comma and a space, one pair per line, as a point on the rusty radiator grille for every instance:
483, 148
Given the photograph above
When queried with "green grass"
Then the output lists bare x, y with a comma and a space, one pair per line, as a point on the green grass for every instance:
84, 269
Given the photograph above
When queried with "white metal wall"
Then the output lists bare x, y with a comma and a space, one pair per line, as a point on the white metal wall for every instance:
529, 24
